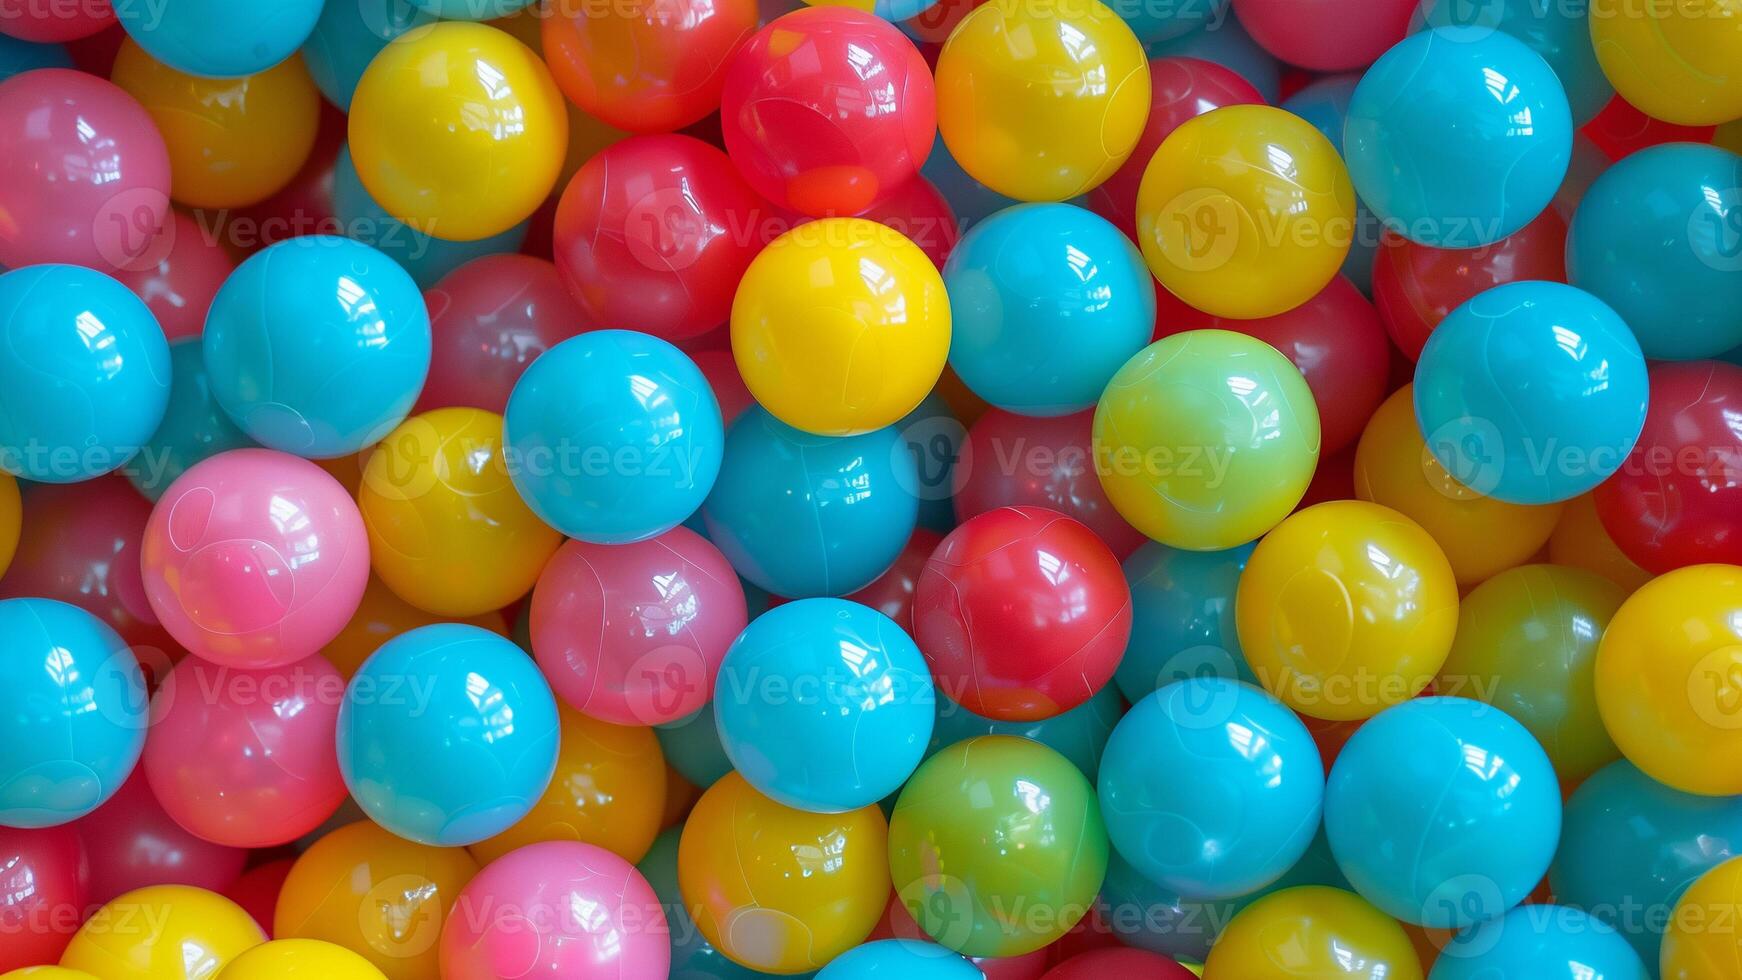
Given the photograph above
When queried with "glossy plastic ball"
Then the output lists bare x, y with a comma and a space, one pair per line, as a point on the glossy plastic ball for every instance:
1430, 834
458, 130
488, 320
1699, 943
217, 39
781, 890
613, 437
132, 842
195, 934
986, 821
1206, 439
1228, 44
347, 36
1022, 614
1079, 734
805, 515
691, 955
1313, 933
841, 326
1325, 103
44, 873
194, 426
1531, 393
1561, 35
1211, 788
255, 559
1182, 623
655, 232
1326, 35
889, 958
1677, 63
292, 959
1021, 277
52, 23
1042, 103
85, 373
318, 346
178, 274
1439, 156
1550, 942
464, 761
892, 592
1665, 223
1246, 212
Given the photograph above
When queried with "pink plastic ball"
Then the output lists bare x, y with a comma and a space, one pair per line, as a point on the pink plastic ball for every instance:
488, 320
84, 179
245, 758
1326, 35
54, 22
556, 909
255, 559
178, 274
133, 842
828, 110
633, 634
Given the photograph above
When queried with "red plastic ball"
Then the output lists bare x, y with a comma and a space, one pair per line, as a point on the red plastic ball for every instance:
488, 320
1326, 35
828, 110
654, 233
132, 842
44, 893
257, 891
35, 20
721, 370
1416, 286
1022, 613
1677, 499
1620, 129
178, 275
1101, 964
918, 210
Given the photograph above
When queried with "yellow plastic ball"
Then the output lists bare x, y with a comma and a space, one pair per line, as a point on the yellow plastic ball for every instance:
781, 890
458, 130
300, 959
1346, 609
232, 141
46, 973
377, 895
609, 790
1245, 212
1480, 536
163, 932
1680, 61
1669, 679
448, 532
11, 520
841, 326
1312, 933
1206, 439
1580, 541
1703, 939
1042, 102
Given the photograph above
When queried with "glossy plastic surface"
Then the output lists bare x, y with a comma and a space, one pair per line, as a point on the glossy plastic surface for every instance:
458, 130
691, 955
216, 39
1042, 103
1581, 541
1079, 734
132, 842
196, 933
1324, 102
1561, 35
892, 592
293, 959
347, 36
44, 891
29, 22
906, 958
194, 427
1326, 35
1196, 459
1678, 64
1211, 788
1442, 159
1228, 44
1546, 942
1313, 933
1695, 947
488, 320
178, 274
1182, 623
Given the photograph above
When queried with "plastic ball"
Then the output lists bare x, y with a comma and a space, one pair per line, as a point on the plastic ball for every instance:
43, 893
132, 842
1443, 812
970, 201
988, 820
1022, 614
1550, 942
194, 427
375, 894
54, 22
1245, 212
1182, 623
380, 617
1042, 103
559, 908
781, 890
1580, 541
1228, 44
1326, 35
464, 761
691, 956
193, 935
489, 319
1325, 104
216, 39
293, 959
11, 520
1211, 788
1531, 393
1701, 941
304, 321
177, 275
46, 973
831, 348
1439, 156
824, 705
889, 958
656, 232
458, 130
1561, 35
1676, 499
1021, 277
1677, 63
347, 36
86, 373
1686, 202
1079, 734
1206, 439
1313, 933
892, 592
254, 559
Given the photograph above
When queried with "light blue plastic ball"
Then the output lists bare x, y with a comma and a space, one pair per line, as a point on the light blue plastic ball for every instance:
1211, 788
472, 9
824, 705
1182, 618
72, 712
1079, 734
1539, 942
1226, 43
426, 258
970, 201
17, 57
1630, 846
1531, 392
317, 346
692, 956
348, 35
1325, 104
806, 515
1659, 237
1443, 812
219, 38
613, 436
447, 735
84, 373
1457, 141
1029, 276
900, 959
194, 427
1560, 32
692, 746
1163, 20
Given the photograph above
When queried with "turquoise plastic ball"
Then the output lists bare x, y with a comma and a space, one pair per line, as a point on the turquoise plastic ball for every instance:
348, 35
1540, 942
1560, 32
1182, 618
900, 959
219, 38
21, 56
